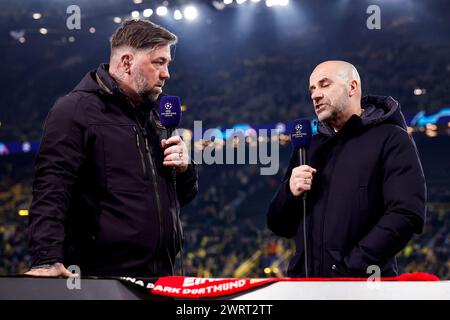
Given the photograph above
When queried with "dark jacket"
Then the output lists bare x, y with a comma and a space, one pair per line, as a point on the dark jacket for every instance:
102, 199
367, 198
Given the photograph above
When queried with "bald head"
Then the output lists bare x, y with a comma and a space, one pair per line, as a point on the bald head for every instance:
338, 68
335, 88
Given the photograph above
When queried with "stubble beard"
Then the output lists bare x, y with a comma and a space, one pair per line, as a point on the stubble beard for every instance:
143, 89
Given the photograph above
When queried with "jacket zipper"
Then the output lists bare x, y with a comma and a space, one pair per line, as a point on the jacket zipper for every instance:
155, 184
144, 167
155, 187
321, 266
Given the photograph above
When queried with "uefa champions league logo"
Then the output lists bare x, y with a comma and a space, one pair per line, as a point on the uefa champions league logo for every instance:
297, 131
168, 106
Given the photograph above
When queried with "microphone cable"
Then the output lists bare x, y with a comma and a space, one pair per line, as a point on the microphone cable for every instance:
305, 238
177, 218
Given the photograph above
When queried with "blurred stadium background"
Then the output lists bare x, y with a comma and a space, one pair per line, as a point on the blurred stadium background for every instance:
238, 64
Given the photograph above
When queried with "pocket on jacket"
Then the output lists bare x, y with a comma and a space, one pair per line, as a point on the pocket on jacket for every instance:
363, 199
337, 265
123, 167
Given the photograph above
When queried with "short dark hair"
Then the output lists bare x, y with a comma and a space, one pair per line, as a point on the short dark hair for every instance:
141, 34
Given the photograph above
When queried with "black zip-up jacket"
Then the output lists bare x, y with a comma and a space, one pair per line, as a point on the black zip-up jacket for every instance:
366, 201
102, 199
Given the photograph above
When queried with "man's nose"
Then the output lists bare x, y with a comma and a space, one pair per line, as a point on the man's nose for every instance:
316, 95
165, 73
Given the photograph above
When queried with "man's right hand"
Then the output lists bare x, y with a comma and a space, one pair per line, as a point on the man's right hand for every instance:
301, 179
53, 270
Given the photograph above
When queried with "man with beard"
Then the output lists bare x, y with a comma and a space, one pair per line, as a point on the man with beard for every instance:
365, 184
105, 194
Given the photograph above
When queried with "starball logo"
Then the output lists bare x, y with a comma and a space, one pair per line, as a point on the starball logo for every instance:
168, 110
298, 132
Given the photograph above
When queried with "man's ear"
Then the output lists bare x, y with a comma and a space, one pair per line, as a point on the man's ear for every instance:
353, 88
126, 60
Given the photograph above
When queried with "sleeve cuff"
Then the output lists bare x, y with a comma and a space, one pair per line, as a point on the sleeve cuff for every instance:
289, 195
47, 255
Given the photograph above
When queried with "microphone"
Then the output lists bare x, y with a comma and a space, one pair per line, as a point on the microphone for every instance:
170, 117
170, 113
301, 134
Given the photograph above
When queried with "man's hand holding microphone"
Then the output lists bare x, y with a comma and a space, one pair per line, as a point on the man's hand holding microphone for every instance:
301, 179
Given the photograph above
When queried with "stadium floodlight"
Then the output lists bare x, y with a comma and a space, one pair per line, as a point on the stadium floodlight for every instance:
218, 5
137, 1
240, 1
37, 16
161, 11
190, 12
256, 0
177, 15
43, 30
272, 3
147, 13
117, 19
135, 14
228, 1
92, 30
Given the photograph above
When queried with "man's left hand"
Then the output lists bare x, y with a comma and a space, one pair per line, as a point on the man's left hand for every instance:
175, 153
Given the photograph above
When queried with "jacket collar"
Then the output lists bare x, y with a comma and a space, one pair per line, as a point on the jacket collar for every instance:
106, 82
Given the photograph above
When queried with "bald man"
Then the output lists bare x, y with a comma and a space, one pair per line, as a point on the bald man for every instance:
365, 184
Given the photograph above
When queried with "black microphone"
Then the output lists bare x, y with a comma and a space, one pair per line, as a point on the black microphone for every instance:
170, 117
170, 113
301, 134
